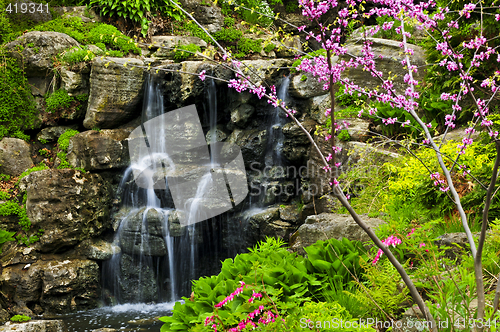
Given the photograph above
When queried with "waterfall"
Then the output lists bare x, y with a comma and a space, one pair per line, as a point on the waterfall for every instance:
278, 119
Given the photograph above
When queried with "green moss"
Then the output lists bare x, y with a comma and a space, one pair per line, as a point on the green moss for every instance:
17, 106
20, 318
248, 46
185, 51
113, 38
196, 31
78, 54
40, 167
63, 140
228, 35
269, 47
57, 100
292, 6
343, 135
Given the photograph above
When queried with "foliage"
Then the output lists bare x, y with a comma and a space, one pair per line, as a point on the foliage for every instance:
138, 11
292, 6
383, 288
269, 47
287, 279
78, 54
254, 13
185, 51
63, 141
58, 99
310, 55
5, 236
229, 21
229, 35
247, 45
20, 318
196, 31
17, 106
91, 33
343, 135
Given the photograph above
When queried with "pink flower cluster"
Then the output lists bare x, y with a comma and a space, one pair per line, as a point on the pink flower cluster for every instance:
439, 182
391, 240
265, 318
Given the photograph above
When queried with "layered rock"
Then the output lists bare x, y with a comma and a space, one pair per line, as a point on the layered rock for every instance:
98, 150
68, 205
115, 92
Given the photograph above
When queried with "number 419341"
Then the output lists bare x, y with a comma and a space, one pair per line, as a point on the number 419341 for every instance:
27, 8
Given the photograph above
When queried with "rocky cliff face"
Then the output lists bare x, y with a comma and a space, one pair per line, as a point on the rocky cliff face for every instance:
78, 212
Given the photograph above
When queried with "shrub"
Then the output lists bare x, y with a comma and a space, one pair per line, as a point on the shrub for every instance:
113, 38
137, 11
17, 106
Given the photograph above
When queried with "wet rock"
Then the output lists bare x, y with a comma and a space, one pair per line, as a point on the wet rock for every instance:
15, 156
296, 143
252, 142
51, 134
68, 205
35, 326
97, 150
143, 235
290, 213
134, 270
329, 225
219, 132
306, 86
115, 91
97, 249
14, 253
241, 114
261, 71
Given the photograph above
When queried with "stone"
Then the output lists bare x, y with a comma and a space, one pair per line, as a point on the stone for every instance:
51, 134
210, 16
290, 213
37, 59
306, 88
330, 226
265, 71
218, 131
252, 142
388, 57
457, 244
316, 107
289, 47
296, 144
241, 114
97, 249
35, 326
133, 269
68, 205
75, 83
98, 150
358, 129
58, 285
173, 41
115, 92
15, 156
358, 152
289, 22
183, 89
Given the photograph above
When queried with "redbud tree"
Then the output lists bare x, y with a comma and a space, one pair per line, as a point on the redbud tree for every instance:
472, 61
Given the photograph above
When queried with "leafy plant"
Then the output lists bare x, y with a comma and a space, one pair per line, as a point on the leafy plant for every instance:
5, 236
138, 11
58, 99
343, 135
269, 47
78, 54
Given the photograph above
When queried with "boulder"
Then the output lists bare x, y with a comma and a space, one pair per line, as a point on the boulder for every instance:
265, 71
329, 225
296, 144
316, 107
35, 51
59, 285
290, 214
68, 205
358, 129
115, 92
306, 86
183, 89
166, 44
388, 57
137, 280
75, 83
35, 326
98, 150
289, 47
15, 156
218, 131
267, 223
